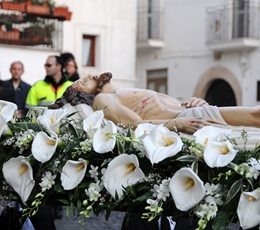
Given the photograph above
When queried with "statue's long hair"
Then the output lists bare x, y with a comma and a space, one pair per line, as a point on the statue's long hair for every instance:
74, 97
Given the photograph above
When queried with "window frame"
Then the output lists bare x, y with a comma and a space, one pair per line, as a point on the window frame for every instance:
92, 39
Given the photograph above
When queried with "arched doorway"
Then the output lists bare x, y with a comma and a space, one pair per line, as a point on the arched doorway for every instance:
214, 74
220, 93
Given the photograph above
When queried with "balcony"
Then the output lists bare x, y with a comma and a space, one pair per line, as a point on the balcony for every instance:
34, 26
150, 27
233, 27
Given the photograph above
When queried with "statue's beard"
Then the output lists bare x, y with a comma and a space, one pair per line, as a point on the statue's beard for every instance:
103, 79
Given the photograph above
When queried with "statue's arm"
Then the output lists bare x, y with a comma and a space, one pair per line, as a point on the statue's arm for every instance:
120, 114
194, 102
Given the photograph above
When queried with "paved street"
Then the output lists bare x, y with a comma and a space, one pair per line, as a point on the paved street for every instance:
93, 223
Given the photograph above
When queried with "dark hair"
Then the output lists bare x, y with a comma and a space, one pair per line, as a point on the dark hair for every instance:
74, 61
103, 79
60, 61
66, 56
74, 97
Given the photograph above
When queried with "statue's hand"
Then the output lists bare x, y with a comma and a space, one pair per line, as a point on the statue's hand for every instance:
191, 124
194, 102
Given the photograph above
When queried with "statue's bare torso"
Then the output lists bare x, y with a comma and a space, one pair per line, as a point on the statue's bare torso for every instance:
145, 103
132, 106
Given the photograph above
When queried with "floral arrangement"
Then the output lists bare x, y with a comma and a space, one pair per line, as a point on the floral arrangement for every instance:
95, 165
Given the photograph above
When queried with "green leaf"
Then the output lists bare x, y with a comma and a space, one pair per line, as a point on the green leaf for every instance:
67, 210
251, 182
133, 192
72, 207
221, 220
186, 158
194, 166
76, 194
120, 147
72, 130
143, 197
84, 185
64, 201
234, 190
79, 204
70, 196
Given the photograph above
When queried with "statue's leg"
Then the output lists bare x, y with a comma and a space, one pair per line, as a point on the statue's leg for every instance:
241, 116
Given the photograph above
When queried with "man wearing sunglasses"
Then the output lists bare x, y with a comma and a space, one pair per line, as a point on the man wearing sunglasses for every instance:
45, 92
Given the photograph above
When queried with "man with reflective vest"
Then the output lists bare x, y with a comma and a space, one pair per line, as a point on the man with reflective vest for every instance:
45, 92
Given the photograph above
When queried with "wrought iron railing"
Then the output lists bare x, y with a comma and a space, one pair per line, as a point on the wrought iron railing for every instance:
149, 24
31, 31
227, 22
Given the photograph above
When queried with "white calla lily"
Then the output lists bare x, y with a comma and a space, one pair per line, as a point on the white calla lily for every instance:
248, 210
144, 129
219, 154
51, 118
186, 188
93, 122
43, 146
208, 133
3, 125
18, 174
121, 172
104, 140
161, 144
141, 131
7, 110
73, 173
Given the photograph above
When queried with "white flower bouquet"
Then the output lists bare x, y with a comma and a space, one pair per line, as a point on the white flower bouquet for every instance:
92, 165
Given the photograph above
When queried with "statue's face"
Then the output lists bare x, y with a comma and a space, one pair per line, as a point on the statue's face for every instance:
87, 84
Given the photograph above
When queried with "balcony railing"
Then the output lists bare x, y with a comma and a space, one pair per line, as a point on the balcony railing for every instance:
32, 32
229, 22
32, 24
149, 24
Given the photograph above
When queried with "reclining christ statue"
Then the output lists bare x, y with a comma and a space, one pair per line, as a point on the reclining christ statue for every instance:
132, 106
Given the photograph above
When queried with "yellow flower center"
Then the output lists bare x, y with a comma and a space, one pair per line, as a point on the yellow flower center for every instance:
51, 142
167, 141
206, 141
52, 120
108, 135
23, 169
81, 166
145, 131
130, 168
224, 150
251, 198
189, 184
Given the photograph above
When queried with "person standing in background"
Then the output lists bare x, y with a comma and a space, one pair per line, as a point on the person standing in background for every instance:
71, 69
45, 92
6, 94
19, 87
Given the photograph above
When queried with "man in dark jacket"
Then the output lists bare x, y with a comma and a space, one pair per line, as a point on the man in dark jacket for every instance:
6, 94
19, 87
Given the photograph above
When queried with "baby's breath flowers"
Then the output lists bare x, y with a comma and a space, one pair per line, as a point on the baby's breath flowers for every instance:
48, 180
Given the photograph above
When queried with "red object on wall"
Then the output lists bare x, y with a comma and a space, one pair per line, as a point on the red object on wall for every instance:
62, 12
13, 6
